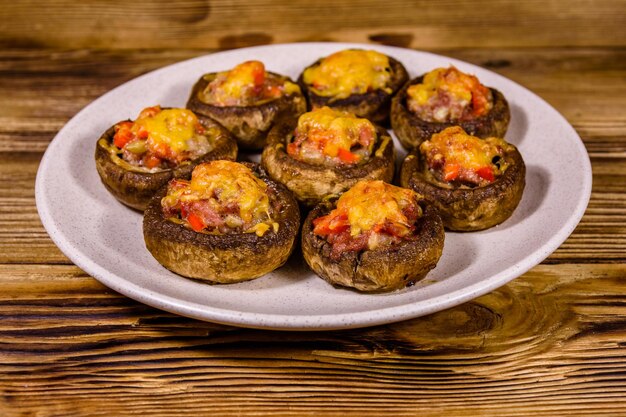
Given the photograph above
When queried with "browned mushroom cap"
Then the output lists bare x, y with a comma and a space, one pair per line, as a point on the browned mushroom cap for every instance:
134, 186
412, 131
465, 208
373, 105
249, 124
310, 183
378, 270
223, 258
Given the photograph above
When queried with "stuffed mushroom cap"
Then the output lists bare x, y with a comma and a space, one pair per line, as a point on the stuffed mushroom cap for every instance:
230, 223
475, 192
357, 81
376, 237
247, 100
325, 152
135, 159
443, 98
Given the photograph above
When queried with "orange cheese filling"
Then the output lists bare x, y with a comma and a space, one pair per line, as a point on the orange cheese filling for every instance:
161, 138
246, 84
447, 94
453, 156
326, 136
222, 197
369, 216
349, 72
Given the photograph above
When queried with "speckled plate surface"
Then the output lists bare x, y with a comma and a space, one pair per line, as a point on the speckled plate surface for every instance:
105, 239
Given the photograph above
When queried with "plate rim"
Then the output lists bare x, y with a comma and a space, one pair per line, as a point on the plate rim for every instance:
317, 322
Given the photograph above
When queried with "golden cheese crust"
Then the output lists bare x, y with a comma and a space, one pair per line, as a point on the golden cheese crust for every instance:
373, 105
249, 124
464, 208
411, 131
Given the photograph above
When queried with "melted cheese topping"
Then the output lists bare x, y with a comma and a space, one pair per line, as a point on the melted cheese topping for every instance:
453, 154
173, 127
160, 139
373, 203
327, 135
240, 78
447, 94
222, 193
231, 182
247, 83
369, 216
349, 72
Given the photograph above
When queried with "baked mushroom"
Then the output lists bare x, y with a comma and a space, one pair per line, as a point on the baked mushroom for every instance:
358, 81
376, 237
447, 97
135, 159
229, 223
325, 152
247, 100
474, 183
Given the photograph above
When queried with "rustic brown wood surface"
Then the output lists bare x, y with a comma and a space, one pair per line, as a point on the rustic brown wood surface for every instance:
550, 343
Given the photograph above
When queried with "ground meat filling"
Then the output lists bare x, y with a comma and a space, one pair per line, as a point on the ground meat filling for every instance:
371, 215
349, 72
333, 138
458, 159
247, 84
222, 197
162, 138
448, 95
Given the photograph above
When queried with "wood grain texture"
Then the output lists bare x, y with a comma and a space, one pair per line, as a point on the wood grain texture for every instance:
550, 343
231, 24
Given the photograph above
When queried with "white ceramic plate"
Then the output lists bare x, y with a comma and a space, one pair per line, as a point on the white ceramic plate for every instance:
105, 239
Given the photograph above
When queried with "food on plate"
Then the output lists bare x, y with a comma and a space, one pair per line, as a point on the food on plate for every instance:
359, 81
325, 152
447, 97
136, 158
229, 223
474, 183
375, 237
247, 100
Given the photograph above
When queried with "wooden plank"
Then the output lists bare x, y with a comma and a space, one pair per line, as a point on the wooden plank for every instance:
22, 236
231, 24
549, 343
601, 234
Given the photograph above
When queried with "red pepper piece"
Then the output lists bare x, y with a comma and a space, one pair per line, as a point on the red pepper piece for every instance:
123, 134
196, 222
486, 173
451, 172
347, 156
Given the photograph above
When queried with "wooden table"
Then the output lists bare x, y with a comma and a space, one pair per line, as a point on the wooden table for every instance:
550, 343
